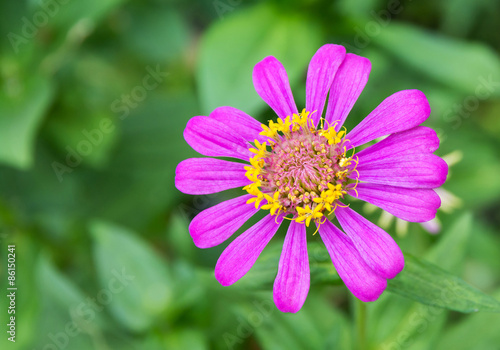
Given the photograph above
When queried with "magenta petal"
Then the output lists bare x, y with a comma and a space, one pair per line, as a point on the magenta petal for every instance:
420, 139
416, 205
239, 256
209, 175
292, 282
213, 138
214, 225
413, 171
398, 112
358, 277
243, 124
320, 75
375, 246
271, 83
348, 84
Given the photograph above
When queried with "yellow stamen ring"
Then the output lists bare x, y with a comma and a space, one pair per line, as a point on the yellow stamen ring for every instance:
301, 170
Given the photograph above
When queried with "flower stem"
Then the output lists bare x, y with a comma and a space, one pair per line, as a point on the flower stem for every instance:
361, 324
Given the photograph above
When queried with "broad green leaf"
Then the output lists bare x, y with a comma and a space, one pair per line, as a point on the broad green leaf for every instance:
418, 323
317, 325
231, 48
423, 330
22, 108
46, 203
68, 22
144, 161
330, 320
190, 287
83, 126
55, 284
357, 8
478, 331
385, 316
67, 315
456, 236
459, 64
83, 140
137, 278
286, 331
428, 284
459, 16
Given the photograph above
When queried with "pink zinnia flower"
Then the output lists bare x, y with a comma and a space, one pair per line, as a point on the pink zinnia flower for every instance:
301, 169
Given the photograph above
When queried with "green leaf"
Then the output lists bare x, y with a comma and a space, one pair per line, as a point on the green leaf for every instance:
460, 16
320, 264
185, 339
231, 48
66, 14
357, 8
481, 330
83, 126
458, 64
138, 279
457, 236
56, 285
67, 314
27, 303
46, 203
428, 284
179, 238
83, 137
144, 161
318, 325
288, 332
22, 108
156, 36
397, 317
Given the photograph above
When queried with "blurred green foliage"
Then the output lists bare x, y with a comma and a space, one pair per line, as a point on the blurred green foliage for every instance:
94, 97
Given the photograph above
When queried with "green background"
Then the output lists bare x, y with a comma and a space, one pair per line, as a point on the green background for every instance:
90, 136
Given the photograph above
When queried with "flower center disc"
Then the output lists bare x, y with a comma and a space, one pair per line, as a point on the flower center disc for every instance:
303, 170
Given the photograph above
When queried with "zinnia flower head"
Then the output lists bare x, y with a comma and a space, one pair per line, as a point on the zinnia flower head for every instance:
302, 168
